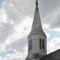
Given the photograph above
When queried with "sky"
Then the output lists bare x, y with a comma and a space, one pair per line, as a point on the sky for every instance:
16, 17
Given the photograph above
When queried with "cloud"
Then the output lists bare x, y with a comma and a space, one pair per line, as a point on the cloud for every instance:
2, 47
19, 43
6, 52
51, 21
5, 31
15, 56
47, 6
1, 1
3, 15
20, 31
17, 10
55, 23
53, 45
19, 47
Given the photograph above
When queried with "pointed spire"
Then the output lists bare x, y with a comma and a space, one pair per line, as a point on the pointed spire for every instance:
37, 26
36, 3
36, 20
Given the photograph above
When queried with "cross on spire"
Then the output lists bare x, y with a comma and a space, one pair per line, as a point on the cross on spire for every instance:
36, 3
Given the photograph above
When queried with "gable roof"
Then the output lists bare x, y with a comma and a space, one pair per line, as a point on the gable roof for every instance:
52, 56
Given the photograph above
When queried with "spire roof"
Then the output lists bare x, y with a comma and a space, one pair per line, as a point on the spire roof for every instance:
37, 26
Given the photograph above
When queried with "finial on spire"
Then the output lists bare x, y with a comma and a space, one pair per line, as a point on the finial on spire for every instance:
36, 3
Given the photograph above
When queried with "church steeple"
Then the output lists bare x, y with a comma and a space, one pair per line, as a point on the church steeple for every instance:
36, 39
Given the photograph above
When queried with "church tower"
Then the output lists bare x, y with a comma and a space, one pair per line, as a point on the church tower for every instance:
37, 44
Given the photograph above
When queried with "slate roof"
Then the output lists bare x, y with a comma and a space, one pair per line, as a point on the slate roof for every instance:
52, 56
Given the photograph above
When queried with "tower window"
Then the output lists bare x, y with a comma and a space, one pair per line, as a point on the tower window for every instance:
30, 44
41, 43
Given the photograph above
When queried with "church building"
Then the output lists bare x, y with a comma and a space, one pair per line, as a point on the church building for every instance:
37, 39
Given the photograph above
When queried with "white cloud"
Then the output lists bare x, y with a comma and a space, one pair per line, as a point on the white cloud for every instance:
53, 45
47, 6
48, 35
3, 16
6, 29
51, 20
16, 55
2, 47
20, 31
17, 9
